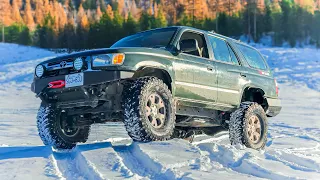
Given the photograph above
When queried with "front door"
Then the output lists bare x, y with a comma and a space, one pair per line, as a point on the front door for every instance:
196, 79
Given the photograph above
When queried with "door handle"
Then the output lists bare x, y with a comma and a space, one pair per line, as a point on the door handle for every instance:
243, 75
210, 68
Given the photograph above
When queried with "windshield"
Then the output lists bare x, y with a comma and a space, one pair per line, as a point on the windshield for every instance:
153, 39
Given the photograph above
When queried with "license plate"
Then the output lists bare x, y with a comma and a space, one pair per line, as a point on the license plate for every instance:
73, 80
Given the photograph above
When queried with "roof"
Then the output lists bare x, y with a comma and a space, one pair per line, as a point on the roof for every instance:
208, 32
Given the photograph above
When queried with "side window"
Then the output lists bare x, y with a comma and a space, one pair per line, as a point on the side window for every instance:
253, 57
234, 58
222, 51
202, 49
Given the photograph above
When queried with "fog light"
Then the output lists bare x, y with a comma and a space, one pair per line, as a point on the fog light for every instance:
78, 64
39, 71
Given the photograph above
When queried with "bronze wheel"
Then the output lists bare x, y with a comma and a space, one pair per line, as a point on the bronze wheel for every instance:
156, 110
254, 129
249, 126
149, 111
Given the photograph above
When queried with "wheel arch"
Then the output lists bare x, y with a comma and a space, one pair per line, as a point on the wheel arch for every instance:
160, 73
254, 94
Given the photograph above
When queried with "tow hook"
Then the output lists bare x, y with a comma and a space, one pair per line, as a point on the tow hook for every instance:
56, 84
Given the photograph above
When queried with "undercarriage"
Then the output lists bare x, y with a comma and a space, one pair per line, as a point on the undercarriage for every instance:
145, 105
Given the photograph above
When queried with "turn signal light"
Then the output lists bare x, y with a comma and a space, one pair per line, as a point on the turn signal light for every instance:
118, 58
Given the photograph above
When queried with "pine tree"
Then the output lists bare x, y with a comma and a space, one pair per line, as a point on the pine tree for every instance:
130, 26
28, 18
19, 3
39, 12
145, 21
133, 10
24, 36
67, 37
63, 18
110, 11
46, 7
161, 19
5, 12
82, 18
267, 19
16, 16
98, 12
120, 7
315, 28
44, 35
117, 26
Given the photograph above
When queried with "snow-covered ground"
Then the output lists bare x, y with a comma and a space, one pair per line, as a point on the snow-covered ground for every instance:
292, 152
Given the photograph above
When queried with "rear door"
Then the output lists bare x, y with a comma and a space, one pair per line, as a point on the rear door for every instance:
229, 75
257, 70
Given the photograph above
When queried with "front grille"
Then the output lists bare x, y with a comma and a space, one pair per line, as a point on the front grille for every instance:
56, 68
58, 62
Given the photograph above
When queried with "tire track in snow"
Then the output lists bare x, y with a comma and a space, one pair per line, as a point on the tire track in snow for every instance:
73, 165
141, 164
293, 160
14, 152
225, 157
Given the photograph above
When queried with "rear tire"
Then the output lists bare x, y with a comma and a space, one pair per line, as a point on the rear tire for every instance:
149, 111
249, 126
50, 123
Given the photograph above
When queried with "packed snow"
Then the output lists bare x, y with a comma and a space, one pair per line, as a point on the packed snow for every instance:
292, 152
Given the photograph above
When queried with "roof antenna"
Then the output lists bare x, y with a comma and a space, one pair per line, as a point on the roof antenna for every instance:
212, 31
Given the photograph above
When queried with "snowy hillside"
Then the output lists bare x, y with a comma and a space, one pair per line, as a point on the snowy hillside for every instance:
292, 152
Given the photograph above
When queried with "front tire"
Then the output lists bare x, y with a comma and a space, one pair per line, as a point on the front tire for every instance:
52, 128
149, 110
249, 126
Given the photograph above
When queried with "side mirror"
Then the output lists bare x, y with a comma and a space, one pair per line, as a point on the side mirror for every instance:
188, 45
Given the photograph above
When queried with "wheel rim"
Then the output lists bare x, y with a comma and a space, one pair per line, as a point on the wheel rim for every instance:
254, 129
156, 111
66, 128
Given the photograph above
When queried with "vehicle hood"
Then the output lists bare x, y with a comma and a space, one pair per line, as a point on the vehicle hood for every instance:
106, 51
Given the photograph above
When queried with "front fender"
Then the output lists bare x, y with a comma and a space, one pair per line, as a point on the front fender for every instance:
139, 60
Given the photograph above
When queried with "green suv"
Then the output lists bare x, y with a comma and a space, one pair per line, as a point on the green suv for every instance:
164, 83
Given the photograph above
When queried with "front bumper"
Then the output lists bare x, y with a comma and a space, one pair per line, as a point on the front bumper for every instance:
90, 78
274, 107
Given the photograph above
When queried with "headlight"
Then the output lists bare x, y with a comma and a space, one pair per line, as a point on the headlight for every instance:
78, 64
39, 70
108, 59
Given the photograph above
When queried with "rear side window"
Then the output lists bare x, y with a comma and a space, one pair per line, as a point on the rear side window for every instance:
253, 57
222, 51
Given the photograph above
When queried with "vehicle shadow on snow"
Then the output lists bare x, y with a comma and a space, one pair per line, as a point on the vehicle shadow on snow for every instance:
16, 152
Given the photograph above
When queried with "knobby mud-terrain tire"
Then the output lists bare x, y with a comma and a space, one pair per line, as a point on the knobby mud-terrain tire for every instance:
244, 126
148, 110
51, 133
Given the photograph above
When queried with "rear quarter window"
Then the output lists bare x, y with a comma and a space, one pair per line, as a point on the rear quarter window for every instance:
253, 57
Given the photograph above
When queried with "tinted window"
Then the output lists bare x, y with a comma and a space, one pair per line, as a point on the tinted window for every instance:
234, 58
154, 39
221, 50
202, 45
253, 57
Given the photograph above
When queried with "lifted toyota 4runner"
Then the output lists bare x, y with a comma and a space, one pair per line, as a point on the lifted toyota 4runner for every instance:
164, 83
